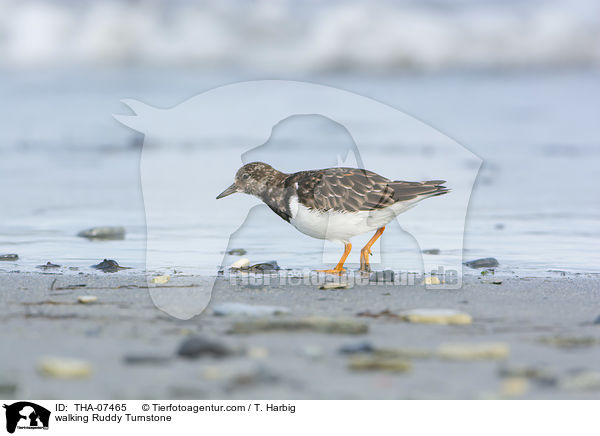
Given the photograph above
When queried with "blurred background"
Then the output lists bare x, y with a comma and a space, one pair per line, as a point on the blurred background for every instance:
515, 82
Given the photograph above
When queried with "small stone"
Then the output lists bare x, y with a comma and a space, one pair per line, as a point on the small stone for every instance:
8, 257
87, 299
140, 359
237, 252
161, 280
539, 375
315, 324
358, 347
242, 263
436, 316
252, 377
258, 353
488, 262
334, 285
48, 265
234, 308
513, 387
386, 276
109, 266
386, 313
482, 351
431, 251
107, 232
313, 352
64, 368
431, 280
212, 373
597, 321
405, 353
264, 267
499, 226
197, 346
376, 363
581, 381
570, 342
7, 388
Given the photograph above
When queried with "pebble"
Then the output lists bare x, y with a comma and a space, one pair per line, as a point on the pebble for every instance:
597, 321
313, 352
252, 377
236, 378
142, 359
48, 265
197, 346
335, 285
257, 353
386, 313
237, 252
315, 324
406, 353
7, 388
436, 316
87, 299
376, 363
488, 262
514, 387
234, 308
109, 265
106, 232
539, 375
212, 373
581, 381
386, 276
357, 347
264, 266
481, 351
241, 263
431, 251
161, 280
8, 257
570, 342
64, 368
431, 280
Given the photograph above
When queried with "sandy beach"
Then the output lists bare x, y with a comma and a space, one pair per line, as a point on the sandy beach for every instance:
522, 338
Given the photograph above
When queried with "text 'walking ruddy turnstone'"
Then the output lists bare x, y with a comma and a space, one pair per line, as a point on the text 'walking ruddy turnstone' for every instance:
333, 203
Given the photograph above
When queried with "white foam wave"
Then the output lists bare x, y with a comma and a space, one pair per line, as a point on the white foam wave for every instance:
287, 36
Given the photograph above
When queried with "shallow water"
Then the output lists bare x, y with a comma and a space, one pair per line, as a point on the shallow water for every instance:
67, 165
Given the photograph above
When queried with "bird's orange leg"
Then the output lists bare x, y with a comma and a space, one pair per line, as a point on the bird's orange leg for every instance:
339, 268
366, 251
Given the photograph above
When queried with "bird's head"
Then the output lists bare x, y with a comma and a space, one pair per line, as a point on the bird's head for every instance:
252, 178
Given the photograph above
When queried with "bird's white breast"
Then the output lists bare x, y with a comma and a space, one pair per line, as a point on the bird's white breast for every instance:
338, 226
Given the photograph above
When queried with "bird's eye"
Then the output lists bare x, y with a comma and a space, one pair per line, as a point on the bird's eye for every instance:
245, 176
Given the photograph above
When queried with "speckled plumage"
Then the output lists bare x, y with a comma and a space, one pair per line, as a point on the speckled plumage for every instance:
333, 203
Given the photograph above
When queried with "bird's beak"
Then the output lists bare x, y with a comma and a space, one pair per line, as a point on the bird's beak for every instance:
231, 190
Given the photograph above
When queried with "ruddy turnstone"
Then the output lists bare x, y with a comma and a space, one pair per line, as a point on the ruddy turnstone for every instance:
333, 203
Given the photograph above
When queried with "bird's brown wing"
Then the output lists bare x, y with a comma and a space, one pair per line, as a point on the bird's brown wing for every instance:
354, 189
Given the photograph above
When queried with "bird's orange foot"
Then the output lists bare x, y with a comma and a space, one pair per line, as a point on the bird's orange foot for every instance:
333, 271
364, 260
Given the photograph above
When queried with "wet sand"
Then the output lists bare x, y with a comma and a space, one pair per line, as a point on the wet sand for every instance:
547, 327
